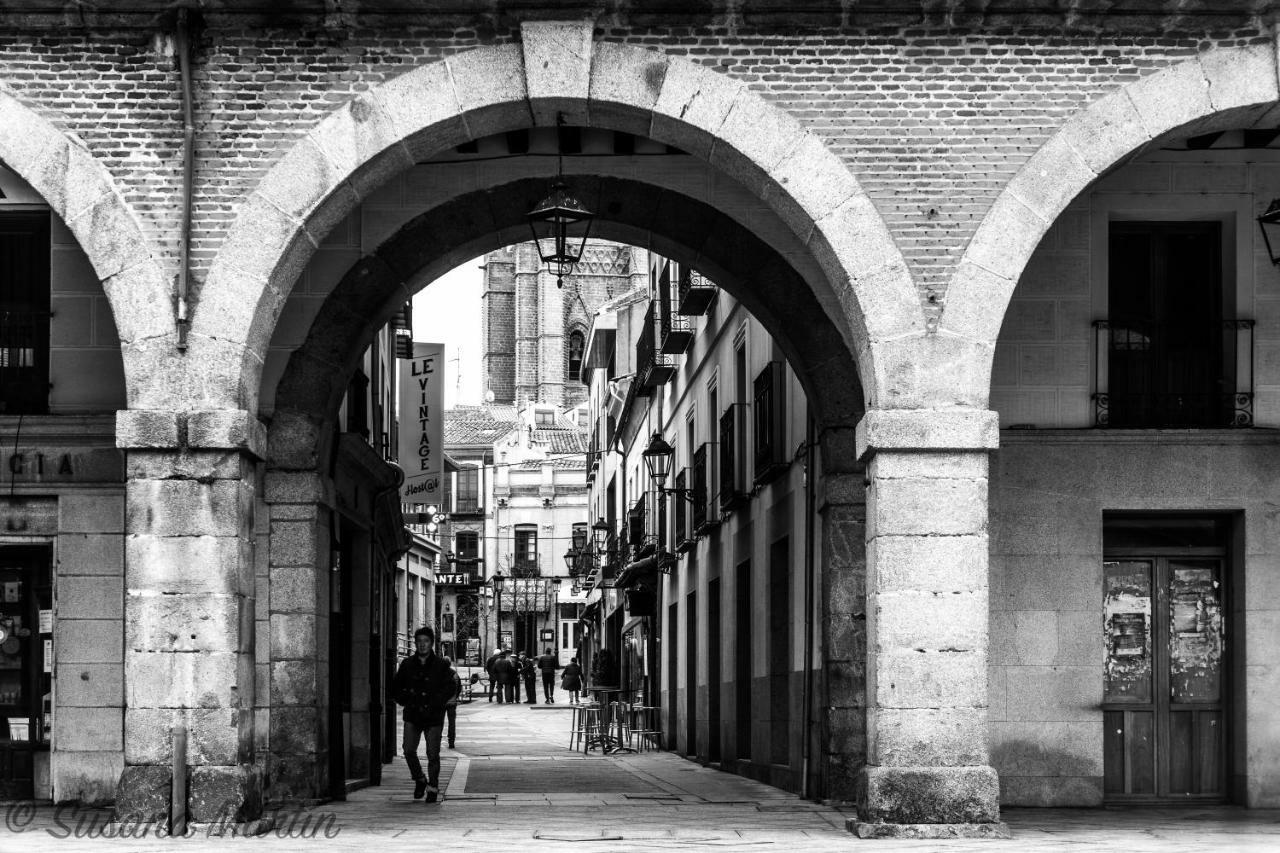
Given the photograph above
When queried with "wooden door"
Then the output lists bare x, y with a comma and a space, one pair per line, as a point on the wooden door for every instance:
1165, 693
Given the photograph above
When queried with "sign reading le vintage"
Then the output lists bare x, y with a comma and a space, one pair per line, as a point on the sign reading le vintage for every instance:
455, 579
422, 424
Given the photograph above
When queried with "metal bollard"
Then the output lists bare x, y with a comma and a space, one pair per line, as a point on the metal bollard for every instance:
178, 798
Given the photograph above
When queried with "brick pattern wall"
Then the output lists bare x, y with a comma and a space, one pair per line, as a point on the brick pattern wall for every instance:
934, 120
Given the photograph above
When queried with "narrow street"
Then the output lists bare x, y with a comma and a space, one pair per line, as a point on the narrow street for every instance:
513, 783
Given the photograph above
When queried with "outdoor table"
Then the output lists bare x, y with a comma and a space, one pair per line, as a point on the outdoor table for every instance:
610, 744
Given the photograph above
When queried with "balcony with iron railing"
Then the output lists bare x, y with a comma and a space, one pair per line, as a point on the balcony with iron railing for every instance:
1151, 375
653, 367
694, 293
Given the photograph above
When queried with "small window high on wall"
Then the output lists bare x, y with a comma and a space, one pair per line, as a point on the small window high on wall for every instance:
24, 313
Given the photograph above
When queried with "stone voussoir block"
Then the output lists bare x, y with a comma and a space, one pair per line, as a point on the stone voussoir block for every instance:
557, 67
692, 106
625, 82
489, 86
422, 108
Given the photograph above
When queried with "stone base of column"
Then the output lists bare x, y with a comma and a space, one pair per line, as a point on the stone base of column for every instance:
954, 797
863, 829
214, 794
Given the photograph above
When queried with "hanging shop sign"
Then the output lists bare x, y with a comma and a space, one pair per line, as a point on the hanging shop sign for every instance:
421, 423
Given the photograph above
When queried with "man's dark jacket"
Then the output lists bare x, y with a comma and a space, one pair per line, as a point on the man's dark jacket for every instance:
506, 670
423, 688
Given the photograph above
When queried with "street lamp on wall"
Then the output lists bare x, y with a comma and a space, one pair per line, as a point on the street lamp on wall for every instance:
657, 459
1269, 222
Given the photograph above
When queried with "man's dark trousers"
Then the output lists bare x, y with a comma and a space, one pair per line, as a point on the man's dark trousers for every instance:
530, 691
411, 736
548, 686
451, 716
510, 689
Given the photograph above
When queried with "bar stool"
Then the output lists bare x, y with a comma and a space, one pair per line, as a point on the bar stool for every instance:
585, 726
644, 729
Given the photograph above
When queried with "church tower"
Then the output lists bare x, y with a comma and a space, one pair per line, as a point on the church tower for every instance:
534, 332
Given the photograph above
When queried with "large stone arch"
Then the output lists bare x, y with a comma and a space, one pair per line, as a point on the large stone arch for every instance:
438, 239
1219, 89
556, 70
85, 196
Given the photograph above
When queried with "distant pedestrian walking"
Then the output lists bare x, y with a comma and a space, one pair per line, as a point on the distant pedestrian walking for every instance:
494, 685
423, 684
451, 707
548, 664
571, 680
517, 661
528, 670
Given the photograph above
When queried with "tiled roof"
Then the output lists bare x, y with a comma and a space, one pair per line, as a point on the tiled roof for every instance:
478, 425
562, 440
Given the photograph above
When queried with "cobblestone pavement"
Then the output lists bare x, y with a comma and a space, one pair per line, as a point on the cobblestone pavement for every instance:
513, 783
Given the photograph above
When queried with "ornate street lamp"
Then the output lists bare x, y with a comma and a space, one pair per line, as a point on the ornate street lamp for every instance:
560, 225
1269, 222
657, 458
571, 561
599, 534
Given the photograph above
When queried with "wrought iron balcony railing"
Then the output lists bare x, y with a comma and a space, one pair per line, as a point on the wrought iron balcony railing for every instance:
653, 367
1152, 376
695, 293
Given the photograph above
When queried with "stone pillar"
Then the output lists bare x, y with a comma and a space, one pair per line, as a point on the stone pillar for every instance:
927, 772
189, 603
842, 508
298, 607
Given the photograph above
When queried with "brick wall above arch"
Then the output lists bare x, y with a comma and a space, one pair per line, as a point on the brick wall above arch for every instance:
1221, 88
867, 290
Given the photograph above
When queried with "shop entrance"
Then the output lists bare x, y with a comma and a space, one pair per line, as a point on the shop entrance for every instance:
26, 628
1165, 696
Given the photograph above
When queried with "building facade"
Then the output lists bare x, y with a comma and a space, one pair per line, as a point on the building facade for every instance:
1013, 259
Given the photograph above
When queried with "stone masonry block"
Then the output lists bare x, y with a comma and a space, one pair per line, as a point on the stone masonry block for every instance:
557, 67
295, 543
213, 735
1171, 97
90, 597
422, 109
230, 794
140, 304
293, 682
242, 305
293, 487
266, 245
90, 685
90, 513
87, 778
927, 508
971, 429
300, 179
489, 86
188, 507
184, 623
189, 465
293, 635
928, 563
182, 680
364, 145
136, 428
1007, 237
930, 372
970, 298
1048, 749
109, 233
931, 621
295, 589
754, 138
295, 731
91, 729
227, 430
929, 795
90, 554
692, 106
1242, 76
1053, 176
927, 737
88, 640
892, 465
144, 793
928, 679
183, 564
625, 83
808, 184
26, 138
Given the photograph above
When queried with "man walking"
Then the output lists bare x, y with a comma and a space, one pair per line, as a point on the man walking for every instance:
424, 684
548, 665
505, 671
451, 707
528, 670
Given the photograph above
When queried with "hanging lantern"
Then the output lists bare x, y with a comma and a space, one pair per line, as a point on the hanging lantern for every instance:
560, 225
